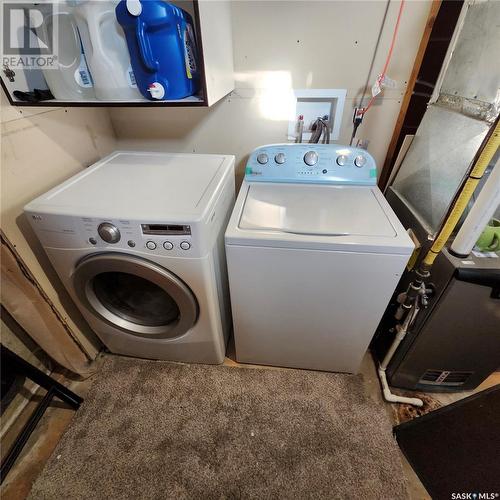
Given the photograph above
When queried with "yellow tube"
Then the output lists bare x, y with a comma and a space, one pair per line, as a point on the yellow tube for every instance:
465, 195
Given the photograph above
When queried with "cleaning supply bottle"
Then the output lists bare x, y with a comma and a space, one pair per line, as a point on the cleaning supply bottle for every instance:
106, 51
162, 48
71, 79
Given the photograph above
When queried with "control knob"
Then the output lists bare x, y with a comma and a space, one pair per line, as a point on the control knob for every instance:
360, 160
262, 158
109, 232
280, 158
341, 160
311, 158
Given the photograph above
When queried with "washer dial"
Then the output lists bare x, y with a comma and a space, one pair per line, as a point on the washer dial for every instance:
280, 158
262, 158
311, 158
360, 160
341, 160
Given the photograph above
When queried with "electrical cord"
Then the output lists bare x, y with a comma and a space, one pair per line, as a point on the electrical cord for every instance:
374, 56
356, 120
389, 55
360, 111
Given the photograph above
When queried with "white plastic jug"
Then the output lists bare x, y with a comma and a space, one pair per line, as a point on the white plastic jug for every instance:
71, 80
106, 51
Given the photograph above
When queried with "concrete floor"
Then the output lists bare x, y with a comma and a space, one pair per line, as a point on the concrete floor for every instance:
57, 418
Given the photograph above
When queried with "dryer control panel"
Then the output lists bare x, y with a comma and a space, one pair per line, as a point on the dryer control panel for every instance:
169, 239
312, 163
173, 239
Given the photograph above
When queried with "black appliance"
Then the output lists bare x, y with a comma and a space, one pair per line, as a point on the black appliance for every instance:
455, 343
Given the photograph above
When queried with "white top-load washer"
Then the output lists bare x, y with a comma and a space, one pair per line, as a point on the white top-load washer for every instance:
138, 241
314, 254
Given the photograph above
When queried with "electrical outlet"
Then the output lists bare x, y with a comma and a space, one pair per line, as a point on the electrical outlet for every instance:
314, 103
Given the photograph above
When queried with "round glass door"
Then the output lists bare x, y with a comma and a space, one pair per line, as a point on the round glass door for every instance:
135, 299
135, 295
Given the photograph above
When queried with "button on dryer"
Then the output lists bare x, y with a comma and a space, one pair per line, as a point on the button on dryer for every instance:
151, 245
262, 158
280, 158
93, 241
359, 161
131, 243
168, 245
185, 245
311, 158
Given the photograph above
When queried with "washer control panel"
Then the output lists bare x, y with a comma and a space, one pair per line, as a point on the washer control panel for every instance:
315, 163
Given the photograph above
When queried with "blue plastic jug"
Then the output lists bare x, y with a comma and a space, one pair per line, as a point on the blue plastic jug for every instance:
162, 48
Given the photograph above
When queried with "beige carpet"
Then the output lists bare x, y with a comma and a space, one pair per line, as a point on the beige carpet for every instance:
152, 430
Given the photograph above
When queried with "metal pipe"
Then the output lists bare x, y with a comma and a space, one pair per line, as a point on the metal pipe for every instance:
482, 211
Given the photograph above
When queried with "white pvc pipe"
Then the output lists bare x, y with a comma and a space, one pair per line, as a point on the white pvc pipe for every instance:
392, 398
402, 330
482, 211
390, 353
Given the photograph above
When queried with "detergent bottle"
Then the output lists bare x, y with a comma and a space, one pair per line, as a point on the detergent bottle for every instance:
71, 79
106, 51
162, 48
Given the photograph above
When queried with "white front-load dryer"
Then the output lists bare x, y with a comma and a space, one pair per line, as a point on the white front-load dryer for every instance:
138, 241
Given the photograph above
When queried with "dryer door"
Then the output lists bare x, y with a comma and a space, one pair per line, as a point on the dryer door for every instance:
135, 295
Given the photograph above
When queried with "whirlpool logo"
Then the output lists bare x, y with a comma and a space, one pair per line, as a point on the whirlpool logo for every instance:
28, 40
475, 496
